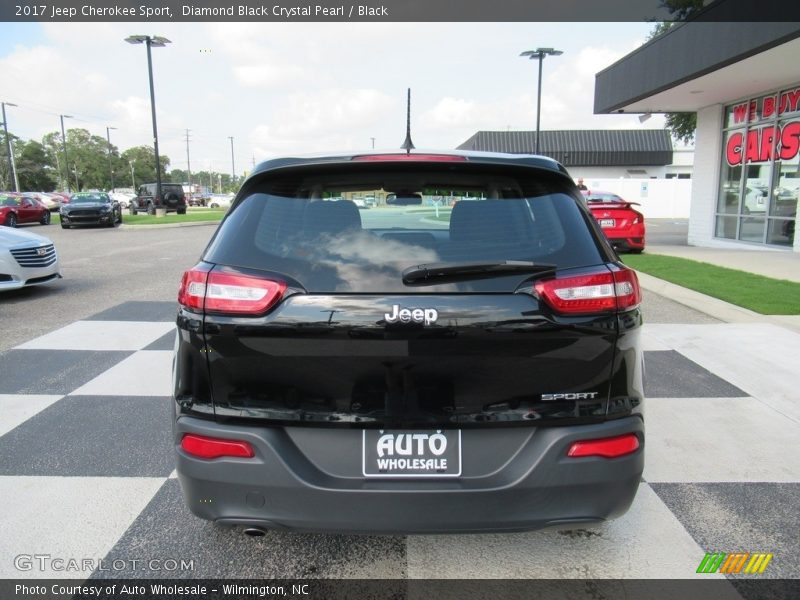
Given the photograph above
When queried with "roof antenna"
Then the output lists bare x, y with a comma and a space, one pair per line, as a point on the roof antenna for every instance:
408, 145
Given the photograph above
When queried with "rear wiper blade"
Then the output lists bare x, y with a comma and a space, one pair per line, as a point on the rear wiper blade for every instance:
446, 272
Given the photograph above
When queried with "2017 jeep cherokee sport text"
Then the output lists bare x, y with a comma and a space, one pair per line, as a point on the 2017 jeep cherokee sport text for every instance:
462, 358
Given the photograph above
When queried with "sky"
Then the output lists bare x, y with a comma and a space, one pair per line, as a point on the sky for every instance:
298, 88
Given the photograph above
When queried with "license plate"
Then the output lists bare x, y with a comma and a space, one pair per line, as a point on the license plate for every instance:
411, 453
606, 222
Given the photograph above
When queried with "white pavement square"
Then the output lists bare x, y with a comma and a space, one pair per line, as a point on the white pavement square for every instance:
145, 373
695, 440
15, 409
761, 359
67, 517
100, 335
647, 542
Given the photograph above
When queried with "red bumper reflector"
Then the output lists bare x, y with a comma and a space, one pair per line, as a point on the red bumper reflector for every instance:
612, 447
206, 447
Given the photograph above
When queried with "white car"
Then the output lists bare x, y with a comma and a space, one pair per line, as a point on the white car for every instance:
26, 259
124, 197
220, 201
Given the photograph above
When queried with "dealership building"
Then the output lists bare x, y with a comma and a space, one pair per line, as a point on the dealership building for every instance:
743, 81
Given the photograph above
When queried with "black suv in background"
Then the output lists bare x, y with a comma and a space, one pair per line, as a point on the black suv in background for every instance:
147, 200
413, 367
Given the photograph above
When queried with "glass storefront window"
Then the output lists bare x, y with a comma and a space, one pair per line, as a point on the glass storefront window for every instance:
756, 189
726, 227
751, 229
780, 232
731, 179
759, 186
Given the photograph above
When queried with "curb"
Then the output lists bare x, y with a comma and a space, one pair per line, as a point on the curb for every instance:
713, 307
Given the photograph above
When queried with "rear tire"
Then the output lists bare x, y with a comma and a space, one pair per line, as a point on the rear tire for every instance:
132, 210
151, 209
11, 220
45, 218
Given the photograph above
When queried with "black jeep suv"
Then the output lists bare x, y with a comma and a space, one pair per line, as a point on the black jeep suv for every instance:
147, 199
464, 358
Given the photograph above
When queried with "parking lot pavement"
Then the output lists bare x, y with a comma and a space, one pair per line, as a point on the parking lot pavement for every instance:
86, 467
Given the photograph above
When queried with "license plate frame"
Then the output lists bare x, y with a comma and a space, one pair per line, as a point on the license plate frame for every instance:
369, 454
608, 223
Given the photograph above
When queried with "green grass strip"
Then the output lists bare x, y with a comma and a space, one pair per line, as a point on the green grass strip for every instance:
170, 218
755, 292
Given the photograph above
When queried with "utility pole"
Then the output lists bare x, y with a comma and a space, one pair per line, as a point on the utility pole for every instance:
188, 163
254, 161
110, 166
373, 142
12, 168
233, 166
64, 143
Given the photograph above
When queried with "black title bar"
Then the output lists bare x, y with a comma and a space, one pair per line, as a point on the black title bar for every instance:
386, 10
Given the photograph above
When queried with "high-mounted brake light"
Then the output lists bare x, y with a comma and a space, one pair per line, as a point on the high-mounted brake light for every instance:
612, 447
596, 292
228, 292
210, 448
410, 157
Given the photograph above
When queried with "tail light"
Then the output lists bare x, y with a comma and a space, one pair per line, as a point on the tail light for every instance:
210, 448
213, 291
612, 447
602, 291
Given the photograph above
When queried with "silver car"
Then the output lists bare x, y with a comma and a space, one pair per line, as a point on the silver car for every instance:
26, 259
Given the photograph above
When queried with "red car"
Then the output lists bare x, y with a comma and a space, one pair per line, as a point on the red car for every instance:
622, 224
18, 208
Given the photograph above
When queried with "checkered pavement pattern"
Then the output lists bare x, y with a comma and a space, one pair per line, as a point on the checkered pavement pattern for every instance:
86, 468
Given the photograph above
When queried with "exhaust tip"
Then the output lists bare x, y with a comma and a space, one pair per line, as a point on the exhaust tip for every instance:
255, 532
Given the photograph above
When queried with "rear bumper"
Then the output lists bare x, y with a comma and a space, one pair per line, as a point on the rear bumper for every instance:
627, 243
513, 479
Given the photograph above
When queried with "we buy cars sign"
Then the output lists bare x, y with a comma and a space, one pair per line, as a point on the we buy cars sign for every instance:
762, 144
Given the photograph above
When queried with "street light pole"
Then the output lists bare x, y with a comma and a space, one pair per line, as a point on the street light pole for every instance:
12, 168
110, 166
539, 54
158, 42
133, 178
233, 166
64, 144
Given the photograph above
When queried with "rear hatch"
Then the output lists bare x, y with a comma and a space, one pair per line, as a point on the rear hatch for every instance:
479, 296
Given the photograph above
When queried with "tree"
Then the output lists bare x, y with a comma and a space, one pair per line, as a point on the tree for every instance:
34, 169
681, 125
143, 159
88, 159
180, 176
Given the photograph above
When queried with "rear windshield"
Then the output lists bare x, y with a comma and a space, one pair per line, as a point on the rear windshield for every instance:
171, 189
356, 230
